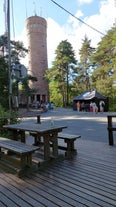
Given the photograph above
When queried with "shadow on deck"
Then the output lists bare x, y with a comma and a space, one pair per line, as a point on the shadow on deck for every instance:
88, 179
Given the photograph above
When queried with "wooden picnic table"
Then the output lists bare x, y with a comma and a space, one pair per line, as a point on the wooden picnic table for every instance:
111, 128
49, 134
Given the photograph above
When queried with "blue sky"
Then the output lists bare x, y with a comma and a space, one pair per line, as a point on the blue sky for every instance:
97, 13
46, 8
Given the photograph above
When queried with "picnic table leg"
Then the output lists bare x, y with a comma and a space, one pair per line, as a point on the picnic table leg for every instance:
110, 132
26, 160
70, 148
0, 152
54, 140
111, 142
37, 139
22, 136
29, 159
46, 147
38, 119
23, 161
15, 135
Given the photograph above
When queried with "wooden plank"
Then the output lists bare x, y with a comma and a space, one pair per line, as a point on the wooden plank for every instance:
88, 179
7, 201
68, 136
89, 195
23, 155
13, 199
69, 195
112, 128
17, 146
35, 198
65, 200
2, 205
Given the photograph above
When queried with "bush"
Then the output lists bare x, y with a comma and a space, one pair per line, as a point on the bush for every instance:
5, 118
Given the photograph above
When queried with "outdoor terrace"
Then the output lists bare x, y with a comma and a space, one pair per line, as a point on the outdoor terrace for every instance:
88, 179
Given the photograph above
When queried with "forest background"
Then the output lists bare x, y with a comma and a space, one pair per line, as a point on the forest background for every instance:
96, 69
68, 77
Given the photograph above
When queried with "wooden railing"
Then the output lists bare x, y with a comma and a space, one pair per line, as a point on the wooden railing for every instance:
111, 128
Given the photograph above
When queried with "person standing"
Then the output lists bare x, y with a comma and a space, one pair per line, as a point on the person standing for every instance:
83, 106
78, 106
94, 107
101, 105
91, 106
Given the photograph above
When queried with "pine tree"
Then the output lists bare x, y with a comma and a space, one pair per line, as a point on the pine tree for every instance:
62, 70
84, 65
104, 61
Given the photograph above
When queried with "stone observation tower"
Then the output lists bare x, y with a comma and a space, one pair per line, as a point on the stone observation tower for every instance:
37, 45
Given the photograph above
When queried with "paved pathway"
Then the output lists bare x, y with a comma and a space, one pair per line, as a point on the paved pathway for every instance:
90, 126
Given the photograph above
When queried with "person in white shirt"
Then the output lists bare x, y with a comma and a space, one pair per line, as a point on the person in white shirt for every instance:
101, 105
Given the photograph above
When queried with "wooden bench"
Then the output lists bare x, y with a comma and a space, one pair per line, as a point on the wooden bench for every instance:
17, 153
69, 139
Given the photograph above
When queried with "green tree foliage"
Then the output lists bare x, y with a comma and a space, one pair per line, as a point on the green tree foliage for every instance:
17, 51
4, 82
104, 61
95, 69
82, 81
62, 71
55, 95
26, 90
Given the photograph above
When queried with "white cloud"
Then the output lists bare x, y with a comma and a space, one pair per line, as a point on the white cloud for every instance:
74, 31
23, 38
55, 35
73, 21
84, 1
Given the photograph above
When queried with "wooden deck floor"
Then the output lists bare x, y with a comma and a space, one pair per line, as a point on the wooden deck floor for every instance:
89, 179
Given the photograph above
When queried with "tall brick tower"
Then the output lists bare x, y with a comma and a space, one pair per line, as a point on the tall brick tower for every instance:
37, 44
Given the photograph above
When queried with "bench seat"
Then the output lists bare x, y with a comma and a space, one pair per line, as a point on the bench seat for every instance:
21, 153
69, 139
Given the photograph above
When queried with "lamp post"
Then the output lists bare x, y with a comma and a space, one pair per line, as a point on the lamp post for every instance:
9, 55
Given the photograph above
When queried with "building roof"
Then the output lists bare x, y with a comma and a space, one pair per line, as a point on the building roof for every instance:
88, 95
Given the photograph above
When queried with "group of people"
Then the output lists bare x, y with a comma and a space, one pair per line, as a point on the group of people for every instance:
92, 106
43, 105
